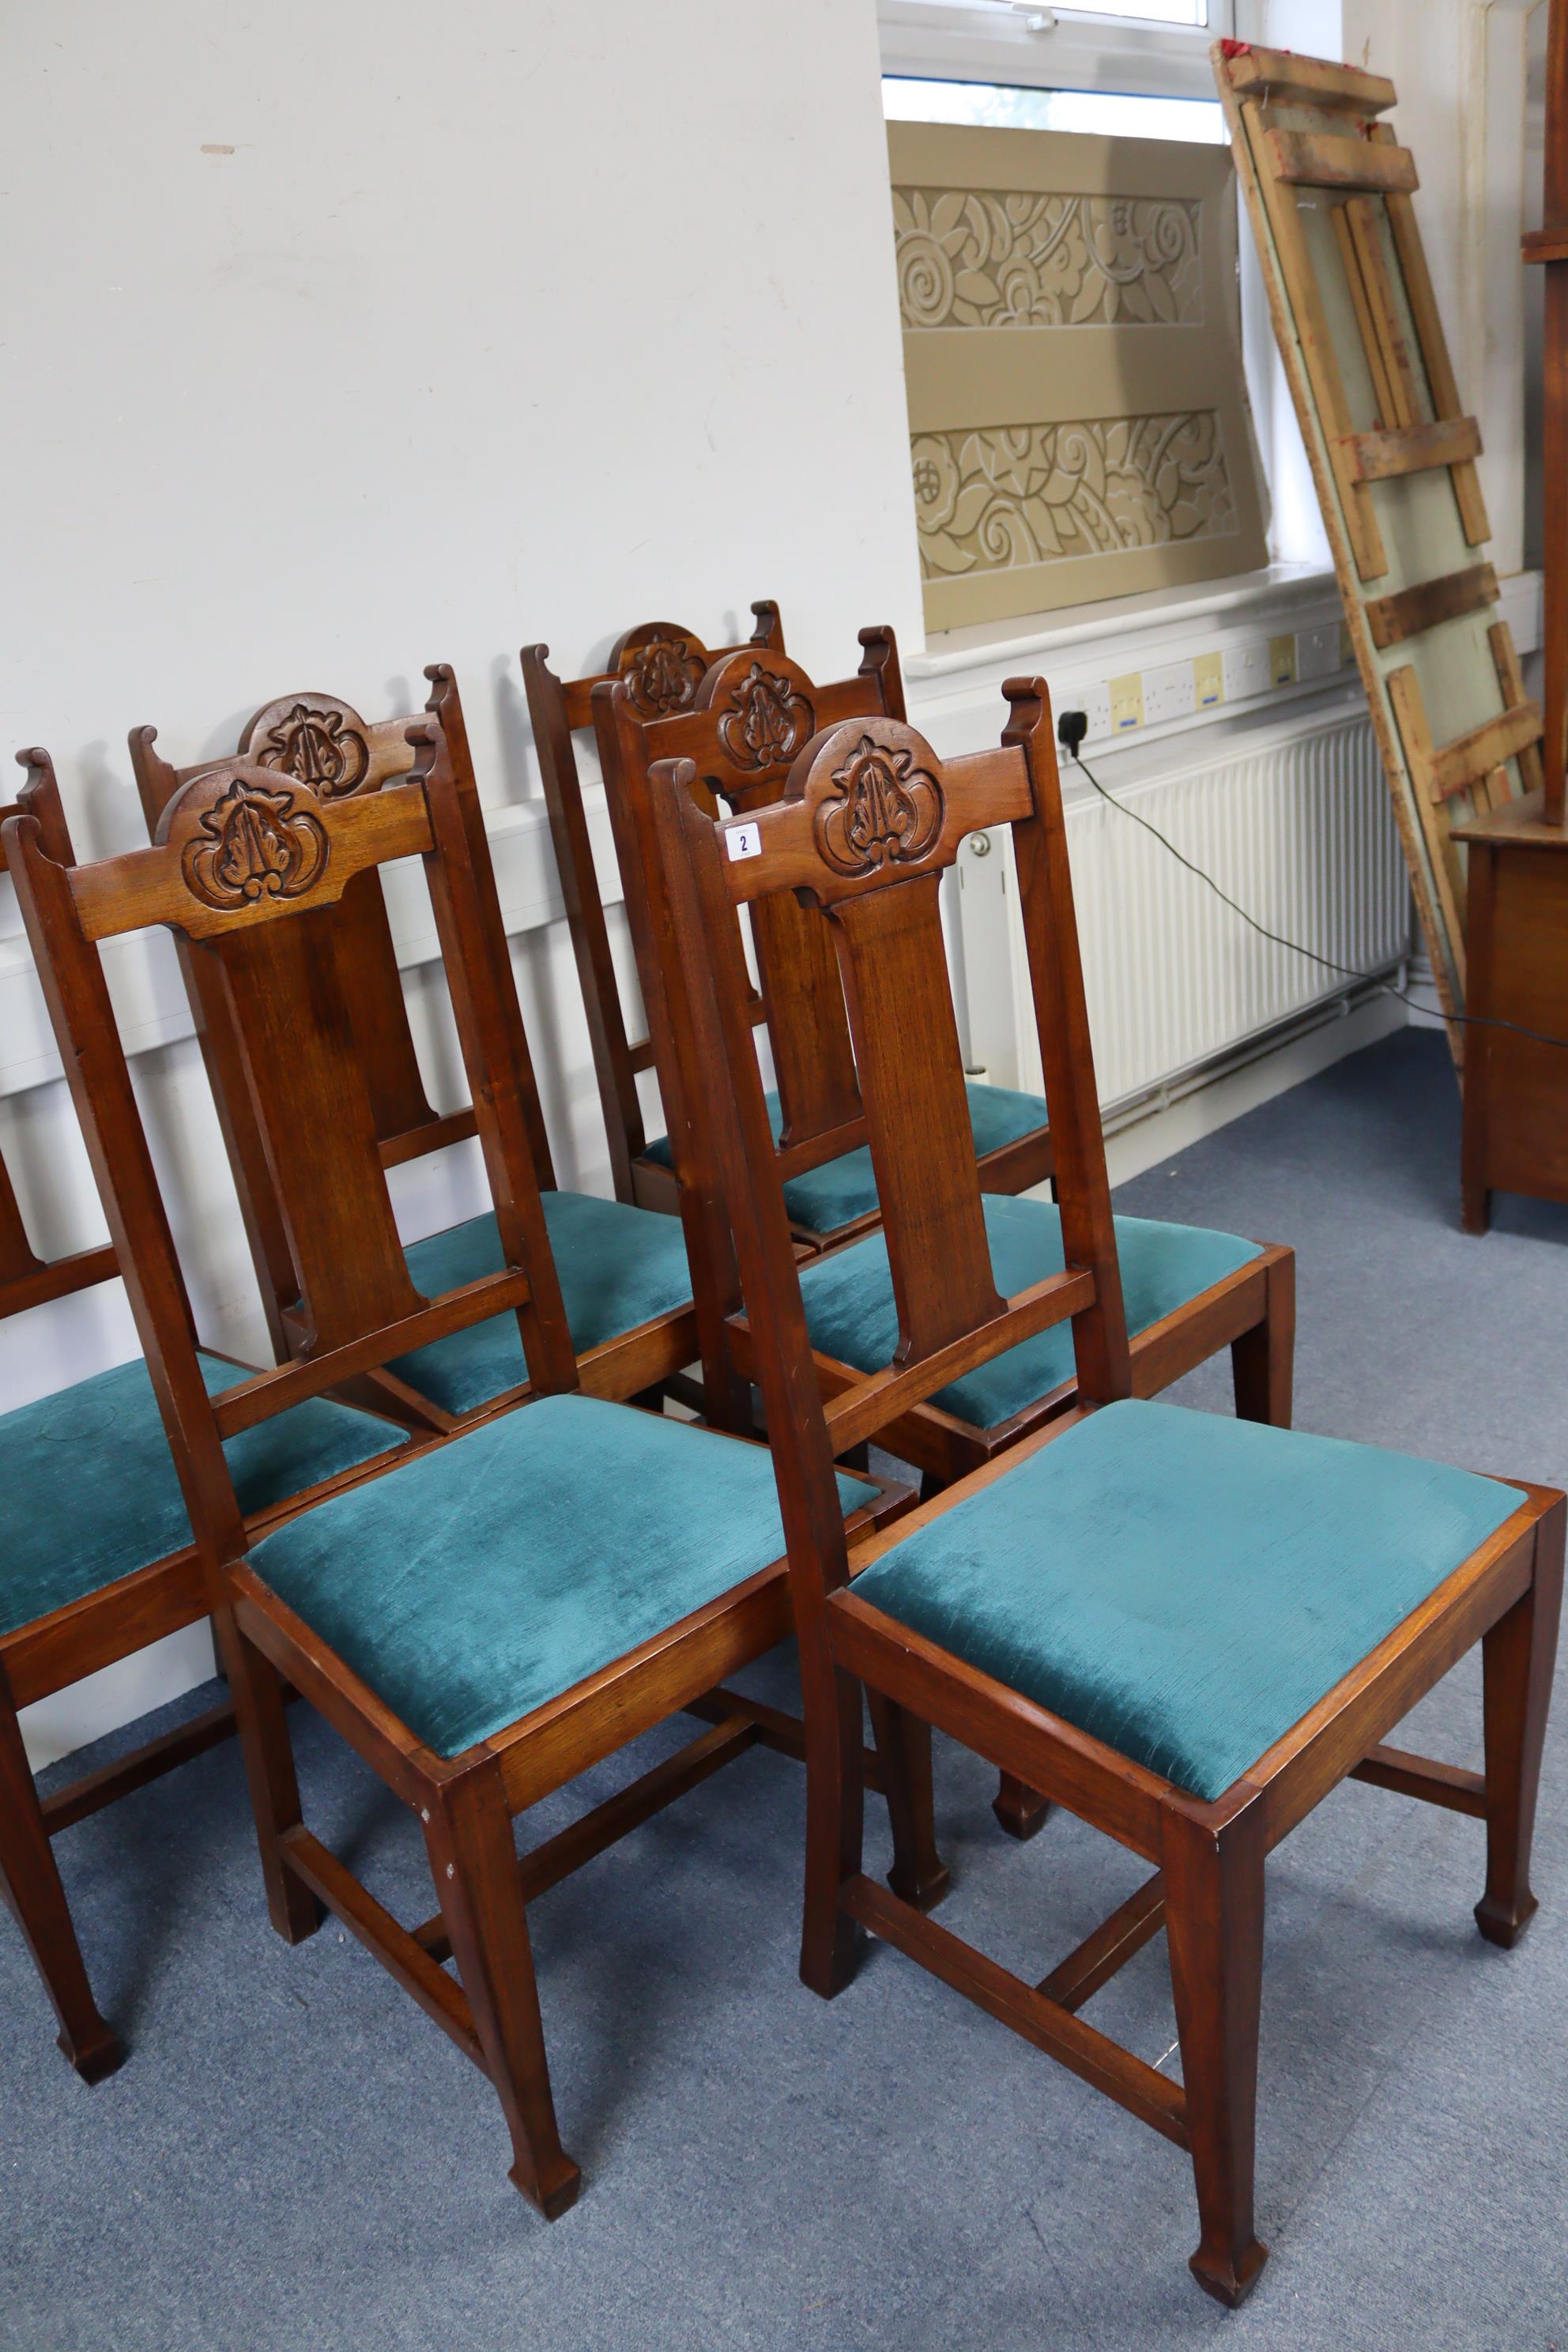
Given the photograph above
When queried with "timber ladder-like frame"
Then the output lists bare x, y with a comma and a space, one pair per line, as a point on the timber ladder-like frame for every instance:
1350, 162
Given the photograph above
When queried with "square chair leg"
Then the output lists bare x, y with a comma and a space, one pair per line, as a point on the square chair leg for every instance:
1517, 1658
919, 1875
1262, 1361
30, 1883
1214, 1924
474, 1862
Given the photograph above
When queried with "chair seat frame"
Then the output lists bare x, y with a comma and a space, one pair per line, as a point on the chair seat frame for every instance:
466, 1805
1207, 1892
1251, 1310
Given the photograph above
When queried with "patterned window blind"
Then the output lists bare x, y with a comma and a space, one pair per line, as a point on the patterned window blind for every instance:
1078, 426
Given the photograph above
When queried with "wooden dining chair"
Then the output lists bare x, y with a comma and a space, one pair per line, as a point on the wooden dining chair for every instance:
1188, 1292
623, 1272
743, 727
541, 1587
1186, 1628
661, 665
96, 1560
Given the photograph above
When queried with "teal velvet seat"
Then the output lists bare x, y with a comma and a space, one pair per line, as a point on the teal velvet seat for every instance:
495, 1572
88, 1489
619, 1267
842, 1190
849, 1310
1181, 1586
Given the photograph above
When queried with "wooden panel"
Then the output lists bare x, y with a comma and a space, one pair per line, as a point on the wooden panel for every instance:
1413, 448
1311, 159
912, 1079
1409, 611
1463, 763
1028, 396
1312, 81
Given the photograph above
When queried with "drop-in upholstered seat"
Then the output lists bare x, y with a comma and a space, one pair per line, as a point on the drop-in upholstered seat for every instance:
619, 1267
851, 1314
844, 1190
1181, 1586
492, 1574
87, 1489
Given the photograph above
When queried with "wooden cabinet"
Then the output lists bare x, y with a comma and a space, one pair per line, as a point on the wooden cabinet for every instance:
1516, 1085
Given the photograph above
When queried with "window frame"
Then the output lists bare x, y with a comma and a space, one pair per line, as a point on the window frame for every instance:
993, 41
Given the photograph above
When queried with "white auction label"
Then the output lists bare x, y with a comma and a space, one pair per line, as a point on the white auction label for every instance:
743, 840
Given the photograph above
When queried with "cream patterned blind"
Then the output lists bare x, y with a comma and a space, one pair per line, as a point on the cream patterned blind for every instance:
1078, 425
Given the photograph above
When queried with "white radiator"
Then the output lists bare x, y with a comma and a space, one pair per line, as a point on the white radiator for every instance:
1293, 819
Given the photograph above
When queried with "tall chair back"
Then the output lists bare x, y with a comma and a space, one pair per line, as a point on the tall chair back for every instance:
324, 744
746, 725
253, 871
868, 821
661, 665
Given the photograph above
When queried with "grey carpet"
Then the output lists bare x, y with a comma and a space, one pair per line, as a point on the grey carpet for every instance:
293, 2156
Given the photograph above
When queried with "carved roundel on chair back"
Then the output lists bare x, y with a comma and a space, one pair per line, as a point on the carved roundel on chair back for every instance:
244, 841
875, 797
763, 708
314, 738
663, 666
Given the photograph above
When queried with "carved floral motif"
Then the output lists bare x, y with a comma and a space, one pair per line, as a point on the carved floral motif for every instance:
987, 501
886, 810
254, 844
662, 675
1019, 259
319, 748
767, 722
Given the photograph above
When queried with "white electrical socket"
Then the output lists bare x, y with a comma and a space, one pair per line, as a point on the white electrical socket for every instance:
1318, 651
1245, 670
1095, 704
1169, 693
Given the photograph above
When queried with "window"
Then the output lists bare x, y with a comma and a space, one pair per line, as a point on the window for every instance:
1110, 113
1157, 51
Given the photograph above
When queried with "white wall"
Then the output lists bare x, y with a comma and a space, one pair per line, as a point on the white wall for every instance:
344, 339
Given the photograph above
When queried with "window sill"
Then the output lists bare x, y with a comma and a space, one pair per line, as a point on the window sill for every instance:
1260, 623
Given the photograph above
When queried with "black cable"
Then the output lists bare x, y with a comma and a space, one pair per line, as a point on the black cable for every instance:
1372, 979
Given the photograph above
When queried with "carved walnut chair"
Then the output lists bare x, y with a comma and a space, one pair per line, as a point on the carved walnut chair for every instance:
1186, 1628
96, 1560
541, 1587
623, 1272
743, 726
1188, 1292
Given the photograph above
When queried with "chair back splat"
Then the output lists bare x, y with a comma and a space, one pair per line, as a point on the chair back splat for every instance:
662, 665
744, 727
869, 821
255, 872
